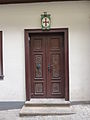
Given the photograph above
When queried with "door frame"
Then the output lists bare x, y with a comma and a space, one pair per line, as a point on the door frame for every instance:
27, 58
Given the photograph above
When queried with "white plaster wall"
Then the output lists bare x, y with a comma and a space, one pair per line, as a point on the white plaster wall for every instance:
15, 18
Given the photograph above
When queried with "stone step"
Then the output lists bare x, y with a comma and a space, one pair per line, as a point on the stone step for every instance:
46, 107
47, 102
34, 111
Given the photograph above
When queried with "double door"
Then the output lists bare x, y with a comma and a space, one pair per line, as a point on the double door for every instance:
47, 66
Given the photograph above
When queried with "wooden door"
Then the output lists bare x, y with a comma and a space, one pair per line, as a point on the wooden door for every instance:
47, 66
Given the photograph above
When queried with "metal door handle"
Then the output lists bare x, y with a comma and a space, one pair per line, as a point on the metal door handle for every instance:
38, 66
48, 68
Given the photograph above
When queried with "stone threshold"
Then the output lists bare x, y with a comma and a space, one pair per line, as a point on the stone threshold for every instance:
47, 102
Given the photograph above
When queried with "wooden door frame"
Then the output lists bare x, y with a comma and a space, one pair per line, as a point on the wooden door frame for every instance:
27, 58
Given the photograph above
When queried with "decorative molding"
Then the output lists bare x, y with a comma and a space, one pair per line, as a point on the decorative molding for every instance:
27, 58
31, 1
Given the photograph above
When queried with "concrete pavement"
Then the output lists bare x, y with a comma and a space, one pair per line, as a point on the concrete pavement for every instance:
82, 112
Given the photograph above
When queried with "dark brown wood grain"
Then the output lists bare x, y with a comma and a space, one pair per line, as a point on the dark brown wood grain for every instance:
66, 65
27, 66
47, 51
55, 59
38, 79
64, 32
31, 1
1, 56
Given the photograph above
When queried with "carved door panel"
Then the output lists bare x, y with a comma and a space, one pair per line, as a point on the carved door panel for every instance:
47, 61
38, 84
55, 53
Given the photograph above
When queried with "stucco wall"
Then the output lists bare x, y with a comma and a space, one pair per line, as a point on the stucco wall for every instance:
15, 18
